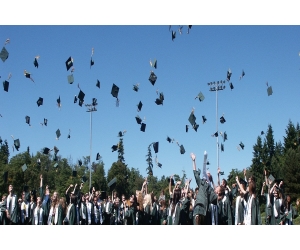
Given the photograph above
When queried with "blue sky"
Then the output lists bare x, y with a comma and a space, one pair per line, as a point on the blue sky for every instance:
184, 67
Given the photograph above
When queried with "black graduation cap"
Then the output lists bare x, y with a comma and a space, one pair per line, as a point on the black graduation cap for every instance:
83, 179
155, 147
200, 96
69, 135
229, 74
70, 78
143, 127
140, 105
58, 134
278, 180
269, 90
160, 100
112, 182
5, 85
58, 101
81, 96
35, 63
173, 35
45, 121
215, 134
69, 63
28, 75
46, 150
115, 91
182, 150
74, 173
98, 157
222, 119
5, 177
242, 181
262, 132
222, 173
92, 62
40, 101
17, 144
4, 54
231, 86
98, 84
204, 119
192, 119
75, 99
27, 118
225, 136
136, 88
56, 150
80, 103
169, 139
186, 128
153, 64
114, 148
138, 119
79, 162
196, 126
242, 75
152, 78
242, 145
222, 147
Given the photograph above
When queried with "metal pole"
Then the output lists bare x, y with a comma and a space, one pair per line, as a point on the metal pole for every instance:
217, 126
91, 151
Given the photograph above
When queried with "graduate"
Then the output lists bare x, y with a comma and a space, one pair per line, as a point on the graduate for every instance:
224, 207
252, 215
276, 206
53, 213
45, 201
130, 212
147, 205
32, 206
155, 210
38, 213
71, 212
205, 196
62, 211
90, 214
11, 203
24, 215
2, 210
240, 206
289, 211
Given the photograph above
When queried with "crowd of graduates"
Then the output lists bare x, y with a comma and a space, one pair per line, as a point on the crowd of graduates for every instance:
208, 204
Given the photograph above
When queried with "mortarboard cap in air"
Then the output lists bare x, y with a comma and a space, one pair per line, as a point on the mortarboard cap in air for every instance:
155, 147
222, 147
69, 63
158, 101
55, 165
115, 91
24, 167
74, 173
278, 180
58, 134
173, 35
196, 126
215, 134
5, 85
143, 127
204, 119
17, 144
40, 101
81, 96
135, 88
222, 119
225, 136
154, 63
70, 78
46, 150
112, 182
75, 99
35, 63
140, 105
79, 162
186, 128
1, 140
200, 96
270, 91
58, 100
92, 62
229, 74
182, 150
56, 150
45, 121
114, 148
138, 119
83, 179
242, 181
169, 139
27, 118
242, 145
4, 54
98, 84
262, 132
98, 157
5, 177
152, 78
231, 86
192, 119
271, 179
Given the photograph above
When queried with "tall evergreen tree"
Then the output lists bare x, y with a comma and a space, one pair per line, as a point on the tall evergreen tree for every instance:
149, 161
290, 137
121, 148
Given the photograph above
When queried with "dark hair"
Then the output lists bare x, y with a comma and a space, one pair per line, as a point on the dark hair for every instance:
225, 182
73, 199
176, 195
252, 187
222, 190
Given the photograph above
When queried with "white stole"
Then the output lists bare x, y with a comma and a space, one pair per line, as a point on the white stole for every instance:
68, 213
237, 202
274, 206
36, 221
248, 211
174, 214
82, 212
55, 216
12, 198
89, 210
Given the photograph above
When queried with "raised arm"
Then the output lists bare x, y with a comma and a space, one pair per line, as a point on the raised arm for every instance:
194, 161
240, 186
262, 189
219, 176
196, 173
71, 185
170, 185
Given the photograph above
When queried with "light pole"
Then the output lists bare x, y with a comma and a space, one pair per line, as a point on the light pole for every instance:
91, 108
217, 86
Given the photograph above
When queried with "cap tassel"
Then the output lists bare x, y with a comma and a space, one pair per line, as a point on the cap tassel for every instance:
117, 102
7, 41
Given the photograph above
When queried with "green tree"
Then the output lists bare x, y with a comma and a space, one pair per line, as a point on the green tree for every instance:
119, 171
290, 137
121, 148
149, 161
